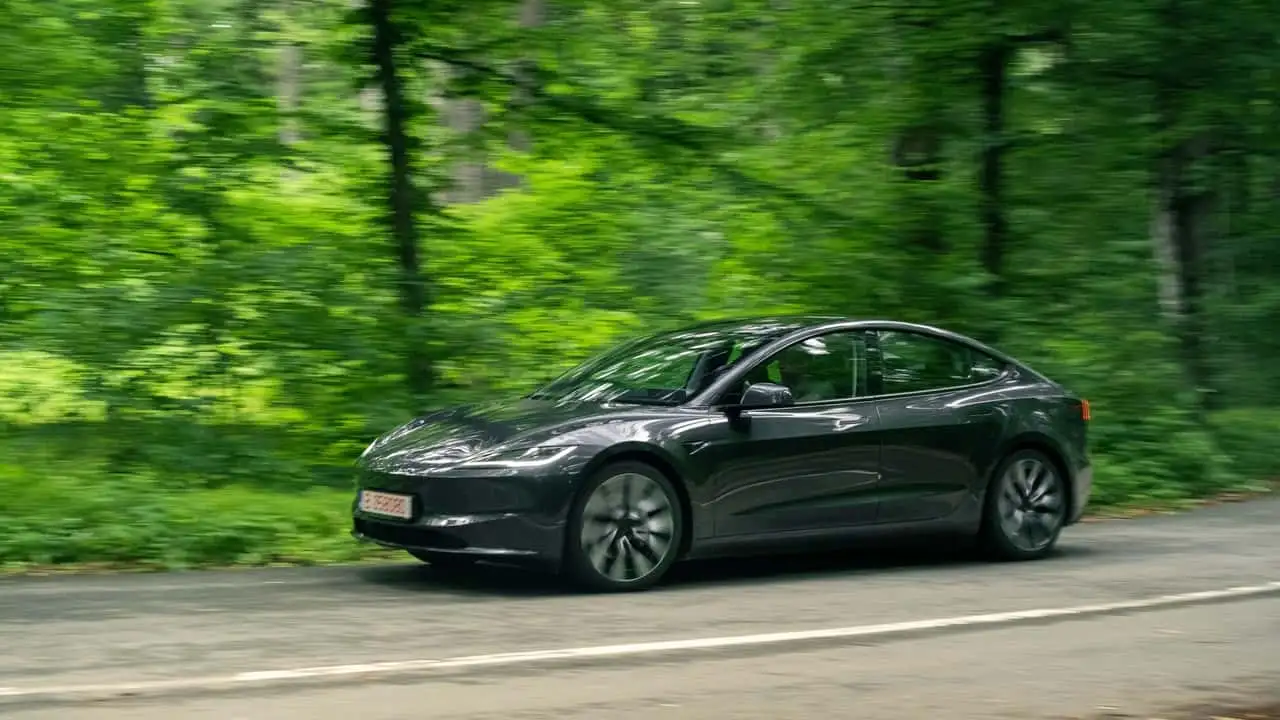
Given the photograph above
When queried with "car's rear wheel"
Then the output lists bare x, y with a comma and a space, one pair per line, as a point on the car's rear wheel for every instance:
624, 529
444, 562
1025, 508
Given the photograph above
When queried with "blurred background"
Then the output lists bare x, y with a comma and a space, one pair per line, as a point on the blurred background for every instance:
241, 238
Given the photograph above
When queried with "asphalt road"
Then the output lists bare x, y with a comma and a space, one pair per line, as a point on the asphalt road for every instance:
69, 631
1112, 667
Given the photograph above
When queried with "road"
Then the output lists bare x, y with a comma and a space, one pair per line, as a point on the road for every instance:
179, 628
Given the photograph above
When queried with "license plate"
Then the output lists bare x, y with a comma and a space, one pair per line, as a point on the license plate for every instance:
388, 504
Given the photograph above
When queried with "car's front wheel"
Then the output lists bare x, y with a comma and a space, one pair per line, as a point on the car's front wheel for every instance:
624, 529
1026, 507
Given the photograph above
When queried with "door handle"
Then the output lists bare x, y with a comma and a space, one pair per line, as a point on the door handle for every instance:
852, 422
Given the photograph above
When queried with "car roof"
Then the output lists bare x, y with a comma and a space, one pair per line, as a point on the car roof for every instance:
794, 326
794, 321
786, 325
789, 323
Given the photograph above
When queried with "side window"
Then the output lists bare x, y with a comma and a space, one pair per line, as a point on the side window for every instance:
827, 367
983, 367
912, 363
719, 361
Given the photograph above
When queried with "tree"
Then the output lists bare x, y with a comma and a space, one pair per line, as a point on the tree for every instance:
403, 200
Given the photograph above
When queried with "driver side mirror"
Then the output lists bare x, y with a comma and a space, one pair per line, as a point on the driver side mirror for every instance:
766, 395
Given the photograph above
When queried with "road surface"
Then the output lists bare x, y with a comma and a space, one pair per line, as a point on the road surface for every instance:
131, 631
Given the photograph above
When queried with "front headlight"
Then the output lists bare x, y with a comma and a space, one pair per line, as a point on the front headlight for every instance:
520, 457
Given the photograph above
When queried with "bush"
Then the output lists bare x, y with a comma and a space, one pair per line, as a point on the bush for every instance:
1158, 458
68, 499
1248, 436
63, 515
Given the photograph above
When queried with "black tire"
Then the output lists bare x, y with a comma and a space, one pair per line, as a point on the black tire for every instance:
997, 537
444, 562
643, 542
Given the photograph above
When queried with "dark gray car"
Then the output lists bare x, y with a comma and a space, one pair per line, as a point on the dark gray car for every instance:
732, 438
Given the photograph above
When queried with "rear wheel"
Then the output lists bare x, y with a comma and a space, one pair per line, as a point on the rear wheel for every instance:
444, 562
1025, 507
624, 529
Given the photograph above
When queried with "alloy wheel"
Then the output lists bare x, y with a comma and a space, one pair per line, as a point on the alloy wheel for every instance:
628, 527
1031, 504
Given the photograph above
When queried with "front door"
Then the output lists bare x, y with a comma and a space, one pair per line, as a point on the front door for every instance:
811, 466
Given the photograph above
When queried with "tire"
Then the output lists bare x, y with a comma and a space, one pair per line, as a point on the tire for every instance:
624, 529
1025, 507
444, 562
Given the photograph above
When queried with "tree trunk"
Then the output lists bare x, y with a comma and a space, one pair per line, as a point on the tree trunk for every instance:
401, 198
288, 94
532, 15
1179, 224
465, 117
1181, 217
918, 153
994, 69
288, 82
473, 179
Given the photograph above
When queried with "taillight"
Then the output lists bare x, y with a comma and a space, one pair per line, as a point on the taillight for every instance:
1084, 410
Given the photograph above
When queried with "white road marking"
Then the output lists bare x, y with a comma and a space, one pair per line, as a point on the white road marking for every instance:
883, 630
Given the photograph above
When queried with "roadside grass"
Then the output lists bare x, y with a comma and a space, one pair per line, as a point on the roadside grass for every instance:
128, 526
242, 527
60, 509
66, 509
115, 523
1142, 507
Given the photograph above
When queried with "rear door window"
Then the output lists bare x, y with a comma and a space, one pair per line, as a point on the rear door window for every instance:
912, 362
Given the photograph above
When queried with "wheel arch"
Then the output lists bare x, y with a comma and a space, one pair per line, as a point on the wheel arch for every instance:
661, 461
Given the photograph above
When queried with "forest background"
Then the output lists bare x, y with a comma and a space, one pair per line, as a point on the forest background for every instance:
241, 238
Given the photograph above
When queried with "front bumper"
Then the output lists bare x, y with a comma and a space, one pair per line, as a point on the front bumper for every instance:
508, 537
500, 516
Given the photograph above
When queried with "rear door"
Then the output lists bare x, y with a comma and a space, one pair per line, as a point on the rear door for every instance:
941, 421
811, 466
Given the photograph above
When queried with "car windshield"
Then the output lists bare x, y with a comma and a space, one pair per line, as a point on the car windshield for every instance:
663, 369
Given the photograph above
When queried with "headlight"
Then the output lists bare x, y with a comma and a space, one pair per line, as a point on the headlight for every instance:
520, 457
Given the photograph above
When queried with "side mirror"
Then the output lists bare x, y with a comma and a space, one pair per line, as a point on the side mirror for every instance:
766, 395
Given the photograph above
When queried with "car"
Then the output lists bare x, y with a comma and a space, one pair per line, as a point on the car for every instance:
737, 437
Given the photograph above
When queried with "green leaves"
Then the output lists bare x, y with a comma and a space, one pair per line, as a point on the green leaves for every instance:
195, 266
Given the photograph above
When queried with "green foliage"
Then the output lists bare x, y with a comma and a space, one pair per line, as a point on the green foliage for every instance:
199, 299
1247, 436
60, 509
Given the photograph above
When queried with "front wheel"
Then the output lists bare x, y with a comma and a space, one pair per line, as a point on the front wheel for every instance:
1025, 508
624, 529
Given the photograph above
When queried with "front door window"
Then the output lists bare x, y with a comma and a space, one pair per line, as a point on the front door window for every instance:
820, 369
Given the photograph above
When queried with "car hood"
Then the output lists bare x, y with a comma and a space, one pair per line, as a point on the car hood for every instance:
444, 438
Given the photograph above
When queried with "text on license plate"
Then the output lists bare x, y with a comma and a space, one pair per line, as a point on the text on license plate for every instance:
380, 503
